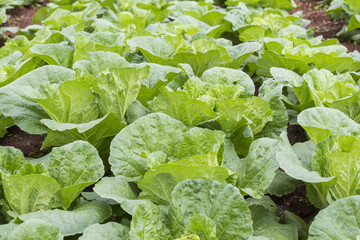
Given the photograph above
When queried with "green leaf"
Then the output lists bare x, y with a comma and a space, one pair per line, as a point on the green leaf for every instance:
74, 166
271, 92
148, 222
354, 22
11, 160
105, 62
36, 229
118, 89
136, 110
251, 32
281, 4
54, 20
156, 139
320, 123
348, 105
221, 75
110, 230
99, 132
240, 53
158, 73
201, 61
339, 159
5, 122
303, 228
304, 151
86, 44
6, 229
54, 54
286, 77
221, 203
266, 225
29, 193
202, 226
271, 59
253, 112
156, 50
189, 237
158, 76
160, 182
158, 186
340, 220
291, 164
72, 103
73, 222
115, 188
257, 170
353, 4
17, 98
326, 88
282, 184
180, 106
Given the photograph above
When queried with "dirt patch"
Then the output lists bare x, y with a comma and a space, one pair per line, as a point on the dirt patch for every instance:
315, 11
297, 203
21, 17
29, 144
296, 134
351, 46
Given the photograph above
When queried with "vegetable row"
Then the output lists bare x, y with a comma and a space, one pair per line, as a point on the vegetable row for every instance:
159, 127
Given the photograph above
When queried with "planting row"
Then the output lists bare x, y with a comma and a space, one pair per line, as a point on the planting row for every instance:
168, 120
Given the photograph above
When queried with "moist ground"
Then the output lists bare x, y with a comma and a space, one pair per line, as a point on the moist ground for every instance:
29, 144
20, 17
315, 11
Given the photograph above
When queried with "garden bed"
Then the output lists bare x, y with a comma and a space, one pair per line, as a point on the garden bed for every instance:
296, 202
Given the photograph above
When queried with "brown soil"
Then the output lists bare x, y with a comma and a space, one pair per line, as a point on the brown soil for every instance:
297, 203
29, 144
296, 134
314, 11
21, 17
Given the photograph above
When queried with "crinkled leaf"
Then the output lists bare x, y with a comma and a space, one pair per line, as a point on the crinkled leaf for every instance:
156, 50
29, 193
291, 164
149, 222
160, 182
72, 103
282, 184
180, 106
257, 170
271, 92
16, 99
105, 62
221, 75
110, 230
36, 229
266, 225
54, 54
202, 226
321, 122
75, 166
340, 220
221, 203
75, 221
11, 160
98, 132
156, 139
118, 89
